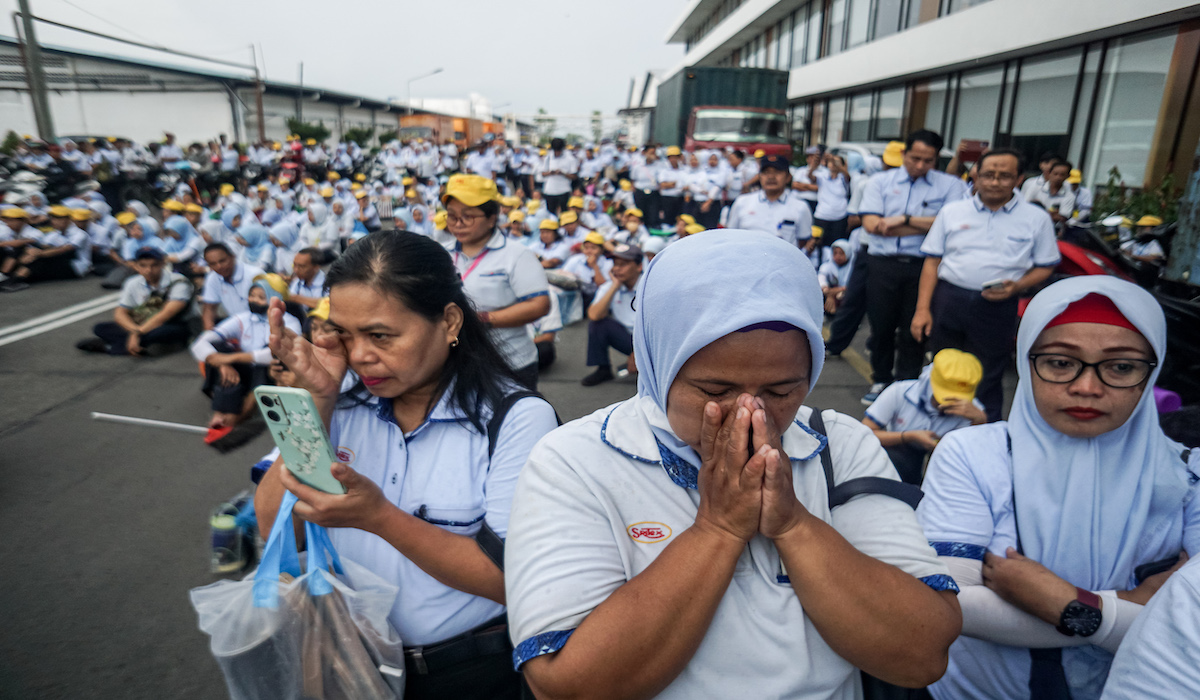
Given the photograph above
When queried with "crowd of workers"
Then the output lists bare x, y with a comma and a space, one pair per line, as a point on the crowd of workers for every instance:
681, 543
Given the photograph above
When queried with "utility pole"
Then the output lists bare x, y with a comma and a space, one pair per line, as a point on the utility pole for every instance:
36, 77
258, 97
1184, 263
300, 96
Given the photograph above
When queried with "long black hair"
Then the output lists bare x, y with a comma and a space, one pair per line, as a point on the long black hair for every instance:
418, 273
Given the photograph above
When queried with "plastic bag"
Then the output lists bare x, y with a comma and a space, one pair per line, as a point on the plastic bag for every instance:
281, 634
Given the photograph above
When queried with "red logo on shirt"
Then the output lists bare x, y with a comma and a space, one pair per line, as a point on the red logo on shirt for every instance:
649, 532
345, 455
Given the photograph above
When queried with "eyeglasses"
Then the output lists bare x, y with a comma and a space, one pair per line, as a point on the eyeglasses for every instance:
1118, 373
998, 177
465, 220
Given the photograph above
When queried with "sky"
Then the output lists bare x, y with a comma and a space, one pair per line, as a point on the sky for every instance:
566, 56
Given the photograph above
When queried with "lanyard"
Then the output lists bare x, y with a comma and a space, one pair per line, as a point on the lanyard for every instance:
471, 268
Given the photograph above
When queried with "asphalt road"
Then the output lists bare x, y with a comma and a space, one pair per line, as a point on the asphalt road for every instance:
105, 527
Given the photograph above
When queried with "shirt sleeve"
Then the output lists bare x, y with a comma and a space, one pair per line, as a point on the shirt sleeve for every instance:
127, 299
872, 198
886, 406
956, 513
527, 278
734, 220
1045, 243
527, 421
180, 290
934, 244
210, 294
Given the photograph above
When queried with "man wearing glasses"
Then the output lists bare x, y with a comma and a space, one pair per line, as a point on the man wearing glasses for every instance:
981, 254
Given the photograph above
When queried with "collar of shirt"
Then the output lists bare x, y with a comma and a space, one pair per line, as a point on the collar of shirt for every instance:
783, 198
496, 242
239, 271
905, 177
444, 411
1007, 207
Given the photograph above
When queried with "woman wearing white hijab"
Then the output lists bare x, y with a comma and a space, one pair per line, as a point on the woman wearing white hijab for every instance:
320, 231
1045, 519
284, 236
680, 545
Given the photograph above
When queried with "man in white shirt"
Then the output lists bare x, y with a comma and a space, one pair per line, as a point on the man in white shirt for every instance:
560, 168
611, 315
226, 284
644, 177
169, 152
774, 209
981, 254
308, 279
804, 179
671, 183
1055, 196
151, 315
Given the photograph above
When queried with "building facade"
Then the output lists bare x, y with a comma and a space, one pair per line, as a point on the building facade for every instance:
1104, 83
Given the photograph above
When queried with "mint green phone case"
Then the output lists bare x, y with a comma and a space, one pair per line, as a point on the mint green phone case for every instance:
299, 433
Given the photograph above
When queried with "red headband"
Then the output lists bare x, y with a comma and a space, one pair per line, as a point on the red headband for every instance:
1094, 308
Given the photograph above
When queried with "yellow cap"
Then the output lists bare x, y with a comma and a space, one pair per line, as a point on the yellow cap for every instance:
533, 205
439, 220
326, 192
173, 205
361, 177
126, 217
541, 151
760, 153
311, 142
361, 194
674, 151
1076, 177
81, 214
594, 237
568, 217
309, 181
955, 375
517, 216
276, 282
194, 208
356, 187
263, 187
510, 202
687, 218
575, 202
634, 211
275, 145
321, 311
692, 229
1149, 220
407, 181
285, 180
226, 189
548, 225
60, 210
817, 232
893, 154
626, 185
411, 193
471, 190
14, 213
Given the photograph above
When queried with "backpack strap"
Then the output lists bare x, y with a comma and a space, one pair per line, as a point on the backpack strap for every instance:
840, 493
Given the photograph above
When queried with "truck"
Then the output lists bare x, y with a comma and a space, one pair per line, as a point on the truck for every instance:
708, 107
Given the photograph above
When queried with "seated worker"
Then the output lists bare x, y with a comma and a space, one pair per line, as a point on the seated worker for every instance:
516, 226
226, 284
590, 265
64, 252
307, 287
571, 230
183, 246
550, 248
545, 331
15, 233
610, 316
911, 416
235, 353
1144, 246
151, 316
634, 231
834, 274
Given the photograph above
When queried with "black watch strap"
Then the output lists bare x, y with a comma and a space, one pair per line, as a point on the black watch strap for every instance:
1082, 616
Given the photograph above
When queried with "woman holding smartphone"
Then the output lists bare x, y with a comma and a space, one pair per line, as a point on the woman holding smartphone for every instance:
1048, 521
426, 489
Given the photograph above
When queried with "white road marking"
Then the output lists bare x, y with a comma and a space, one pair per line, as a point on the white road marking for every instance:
58, 319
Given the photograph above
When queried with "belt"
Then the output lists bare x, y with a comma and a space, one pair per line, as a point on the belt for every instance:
907, 259
489, 638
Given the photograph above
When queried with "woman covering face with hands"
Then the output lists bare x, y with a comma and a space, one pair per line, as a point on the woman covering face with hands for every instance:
681, 544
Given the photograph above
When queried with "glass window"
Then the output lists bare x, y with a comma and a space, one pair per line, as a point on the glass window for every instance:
816, 123
798, 114
836, 121
1091, 64
860, 118
837, 27
889, 115
815, 20
978, 99
952, 6
1045, 94
859, 21
1131, 93
785, 44
914, 13
887, 17
772, 49
928, 106
800, 22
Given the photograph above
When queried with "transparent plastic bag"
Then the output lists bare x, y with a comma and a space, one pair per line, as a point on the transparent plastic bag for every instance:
317, 633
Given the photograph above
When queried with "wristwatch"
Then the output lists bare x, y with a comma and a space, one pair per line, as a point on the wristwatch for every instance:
1082, 616
907, 220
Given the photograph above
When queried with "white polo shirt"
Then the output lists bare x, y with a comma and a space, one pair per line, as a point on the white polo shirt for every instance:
621, 306
899, 407
246, 332
231, 293
316, 288
503, 274
171, 286
559, 184
668, 174
978, 245
596, 504
787, 217
833, 196
441, 473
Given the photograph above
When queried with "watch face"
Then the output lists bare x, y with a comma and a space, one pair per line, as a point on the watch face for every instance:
1081, 619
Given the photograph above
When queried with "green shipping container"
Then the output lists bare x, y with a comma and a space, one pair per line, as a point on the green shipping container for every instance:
700, 86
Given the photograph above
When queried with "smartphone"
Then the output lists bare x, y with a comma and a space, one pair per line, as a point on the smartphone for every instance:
300, 435
994, 284
1145, 571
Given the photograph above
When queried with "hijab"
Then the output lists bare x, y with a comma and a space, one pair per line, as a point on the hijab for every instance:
180, 227
258, 251
319, 213
1087, 507
728, 280
149, 225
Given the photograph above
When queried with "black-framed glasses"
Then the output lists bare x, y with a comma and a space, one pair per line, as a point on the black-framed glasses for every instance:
1118, 373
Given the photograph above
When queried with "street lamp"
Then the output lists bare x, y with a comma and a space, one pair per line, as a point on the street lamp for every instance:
408, 89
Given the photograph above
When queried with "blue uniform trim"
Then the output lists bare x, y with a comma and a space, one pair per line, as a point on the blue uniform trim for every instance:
604, 439
678, 468
783, 579
538, 645
958, 549
423, 514
535, 295
940, 582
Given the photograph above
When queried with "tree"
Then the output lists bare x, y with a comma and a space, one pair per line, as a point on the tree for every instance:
360, 135
308, 130
387, 136
545, 126
11, 141
597, 126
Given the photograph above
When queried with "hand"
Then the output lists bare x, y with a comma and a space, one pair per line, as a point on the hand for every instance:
730, 484
781, 509
888, 223
1146, 589
922, 325
831, 305
319, 368
964, 409
229, 375
1000, 293
133, 344
361, 507
1027, 585
925, 439
706, 206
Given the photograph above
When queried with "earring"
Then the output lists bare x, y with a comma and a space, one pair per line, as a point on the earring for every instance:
454, 343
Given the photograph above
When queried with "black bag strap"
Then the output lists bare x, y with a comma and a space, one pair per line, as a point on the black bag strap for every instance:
843, 492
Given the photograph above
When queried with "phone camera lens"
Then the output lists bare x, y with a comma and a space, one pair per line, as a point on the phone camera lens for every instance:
266, 401
273, 416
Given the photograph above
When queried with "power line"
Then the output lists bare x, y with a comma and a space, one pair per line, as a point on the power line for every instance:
111, 23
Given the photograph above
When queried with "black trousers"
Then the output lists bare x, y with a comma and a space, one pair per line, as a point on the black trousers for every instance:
707, 219
169, 333
57, 267
672, 207
963, 319
555, 203
854, 306
604, 334
546, 354
528, 376
832, 230
651, 205
483, 678
891, 303
909, 462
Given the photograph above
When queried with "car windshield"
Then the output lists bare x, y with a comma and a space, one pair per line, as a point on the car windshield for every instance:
739, 126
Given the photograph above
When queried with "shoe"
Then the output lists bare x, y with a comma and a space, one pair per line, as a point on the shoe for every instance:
602, 374
873, 393
92, 345
13, 286
160, 349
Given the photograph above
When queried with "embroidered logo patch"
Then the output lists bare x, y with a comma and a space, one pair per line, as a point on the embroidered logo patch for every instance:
649, 532
345, 455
